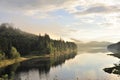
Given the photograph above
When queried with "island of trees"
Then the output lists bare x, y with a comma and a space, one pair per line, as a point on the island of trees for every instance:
15, 43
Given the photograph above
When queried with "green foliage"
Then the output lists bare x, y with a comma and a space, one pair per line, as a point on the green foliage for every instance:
27, 43
14, 53
8, 73
2, 55
4, 77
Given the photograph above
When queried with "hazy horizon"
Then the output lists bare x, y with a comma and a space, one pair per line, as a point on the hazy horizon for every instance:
83, 20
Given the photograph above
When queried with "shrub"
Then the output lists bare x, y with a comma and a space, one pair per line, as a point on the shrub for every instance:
2, 55
14, 53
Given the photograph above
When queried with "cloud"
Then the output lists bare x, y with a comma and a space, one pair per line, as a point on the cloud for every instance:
40, 5
85, 19
99, 9
106, 24
73, 30
41, 8
79, 7
76, 40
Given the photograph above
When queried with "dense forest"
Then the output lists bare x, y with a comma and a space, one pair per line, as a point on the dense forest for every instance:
14, 42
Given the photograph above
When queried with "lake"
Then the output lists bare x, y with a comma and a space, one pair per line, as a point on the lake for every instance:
86, 65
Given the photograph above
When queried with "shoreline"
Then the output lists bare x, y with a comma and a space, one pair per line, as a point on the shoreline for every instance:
7, 62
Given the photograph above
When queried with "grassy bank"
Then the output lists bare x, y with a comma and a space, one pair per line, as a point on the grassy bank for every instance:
6, 62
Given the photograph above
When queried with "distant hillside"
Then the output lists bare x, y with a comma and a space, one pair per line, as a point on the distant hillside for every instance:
115, 48
93, 44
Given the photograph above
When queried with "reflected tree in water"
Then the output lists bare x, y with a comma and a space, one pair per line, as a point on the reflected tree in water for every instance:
43, 65
8, 73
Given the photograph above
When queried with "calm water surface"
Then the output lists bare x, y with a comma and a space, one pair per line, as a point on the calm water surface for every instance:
86, 65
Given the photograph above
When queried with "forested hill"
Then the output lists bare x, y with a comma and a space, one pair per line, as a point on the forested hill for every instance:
115, 48
27, 43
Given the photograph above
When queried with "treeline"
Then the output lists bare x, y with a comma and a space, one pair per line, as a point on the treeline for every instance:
30, 44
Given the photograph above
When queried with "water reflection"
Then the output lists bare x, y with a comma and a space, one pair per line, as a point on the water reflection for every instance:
33, 69
83, 66
8, 73
93, 50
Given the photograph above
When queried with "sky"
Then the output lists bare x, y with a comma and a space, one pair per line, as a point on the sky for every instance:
84, 20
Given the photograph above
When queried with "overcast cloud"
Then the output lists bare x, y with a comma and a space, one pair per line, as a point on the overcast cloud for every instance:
79, 19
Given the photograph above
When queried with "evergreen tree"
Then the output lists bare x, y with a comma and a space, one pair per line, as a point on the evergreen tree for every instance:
27, 43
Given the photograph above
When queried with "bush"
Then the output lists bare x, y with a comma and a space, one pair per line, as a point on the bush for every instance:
2, 55
14, 53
